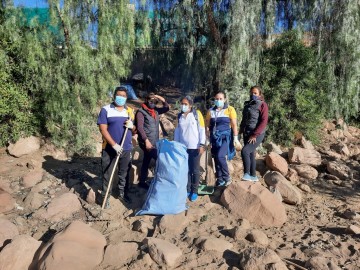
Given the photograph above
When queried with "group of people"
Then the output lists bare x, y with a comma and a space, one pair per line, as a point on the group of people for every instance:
118, 123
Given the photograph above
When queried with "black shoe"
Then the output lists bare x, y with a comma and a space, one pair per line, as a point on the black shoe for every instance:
125, 199
143, 185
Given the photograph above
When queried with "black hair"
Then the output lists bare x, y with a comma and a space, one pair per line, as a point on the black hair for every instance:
120, 88
258, 87
220, 92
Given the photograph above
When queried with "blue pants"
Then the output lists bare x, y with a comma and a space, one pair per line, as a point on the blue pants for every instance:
194, 170
248, 154
219, 155
148, 155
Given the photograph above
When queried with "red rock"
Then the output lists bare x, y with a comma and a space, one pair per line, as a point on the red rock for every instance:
7, 202
24, 146
32, 178
78, 247
8, 231
304, 156
19, 253
276, 163
255, 203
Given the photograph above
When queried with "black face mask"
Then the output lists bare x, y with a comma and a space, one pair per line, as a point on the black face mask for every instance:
254, 97
151, 105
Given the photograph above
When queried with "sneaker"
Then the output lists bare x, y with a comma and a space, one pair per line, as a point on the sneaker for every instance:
247, 177
254, 178
125, 199
193, 197
220, 183
228, 182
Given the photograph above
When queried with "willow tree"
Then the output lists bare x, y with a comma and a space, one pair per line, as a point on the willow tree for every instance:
72, 61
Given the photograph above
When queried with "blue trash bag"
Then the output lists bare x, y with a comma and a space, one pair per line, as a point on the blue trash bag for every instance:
130, 91
167, 192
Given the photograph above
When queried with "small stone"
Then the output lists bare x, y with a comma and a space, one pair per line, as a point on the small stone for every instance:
305, 188
258, 236
162, 251
352, 229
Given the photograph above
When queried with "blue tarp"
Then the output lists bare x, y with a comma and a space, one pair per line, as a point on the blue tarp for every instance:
167, 193
130, 91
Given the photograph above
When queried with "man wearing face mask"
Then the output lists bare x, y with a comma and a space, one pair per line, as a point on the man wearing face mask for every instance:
147, 124
253, 126
190, 131
112, 121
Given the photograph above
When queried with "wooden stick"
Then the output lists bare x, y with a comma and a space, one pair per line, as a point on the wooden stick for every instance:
294, 264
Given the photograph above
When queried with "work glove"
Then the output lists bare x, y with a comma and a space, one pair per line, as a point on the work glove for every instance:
129, 124
237, 144
118, 149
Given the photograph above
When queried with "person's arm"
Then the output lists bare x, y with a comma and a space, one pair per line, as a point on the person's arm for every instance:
233, 121
165, 107
207, 123
106, 135
264, 116
140, 126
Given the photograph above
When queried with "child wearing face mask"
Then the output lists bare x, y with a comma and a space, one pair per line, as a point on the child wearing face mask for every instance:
253, 125
147, 124
190, 131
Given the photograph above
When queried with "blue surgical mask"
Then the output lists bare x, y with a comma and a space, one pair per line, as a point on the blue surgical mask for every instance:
184, 108
254, 97
219, 103
120, 101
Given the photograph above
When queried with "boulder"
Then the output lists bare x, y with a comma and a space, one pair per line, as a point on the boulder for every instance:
292, 176
289, 193
260, 258
255, 203
162, 251
32, 178
141, 226
167, 124
8, 231
321, 263
277, 163
120, 254
338, 169
299, 155
60, 208
78, 246
216, 244
272, 147
258, 237
34, 200
306, 144
353, 229
7, 202
19, 253
173, 223
341, 148
24, 146
305, 188
306, 171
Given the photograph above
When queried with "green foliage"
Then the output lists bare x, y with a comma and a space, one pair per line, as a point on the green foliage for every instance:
291, 78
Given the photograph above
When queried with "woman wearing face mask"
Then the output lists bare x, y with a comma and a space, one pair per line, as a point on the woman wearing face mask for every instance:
221, 127
190, 131
147, 124
253, 125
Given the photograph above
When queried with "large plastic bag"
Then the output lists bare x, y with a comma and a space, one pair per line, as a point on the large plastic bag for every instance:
167, 192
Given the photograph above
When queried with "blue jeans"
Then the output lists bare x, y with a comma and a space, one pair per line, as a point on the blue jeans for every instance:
248, 154
194, 170
219, 155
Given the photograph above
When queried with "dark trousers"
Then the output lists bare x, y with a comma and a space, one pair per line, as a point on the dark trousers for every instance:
124, 166
148, 155
194, 170
219, 155
248, 154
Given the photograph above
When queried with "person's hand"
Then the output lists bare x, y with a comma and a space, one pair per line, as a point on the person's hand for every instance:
148, 145
201, 149
207, 133
118, 149
237, 144
252, 139
129, 124
159, 98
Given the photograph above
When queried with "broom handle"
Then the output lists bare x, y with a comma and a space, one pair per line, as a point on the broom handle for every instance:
113, 171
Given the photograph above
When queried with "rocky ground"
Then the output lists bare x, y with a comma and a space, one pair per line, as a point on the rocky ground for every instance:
303, 214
